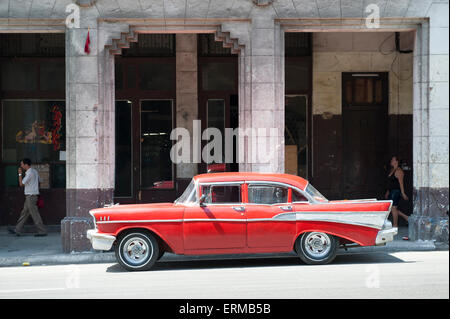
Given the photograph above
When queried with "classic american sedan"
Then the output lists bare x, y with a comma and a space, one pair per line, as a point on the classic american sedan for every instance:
233, 213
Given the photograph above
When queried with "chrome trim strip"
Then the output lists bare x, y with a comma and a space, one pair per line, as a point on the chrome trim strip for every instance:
356, 201
221, 183
373, 219
224, 204
268, 205
141, 221
195, 220
215, 220
291, 216
270, 220
343, 222
311, 200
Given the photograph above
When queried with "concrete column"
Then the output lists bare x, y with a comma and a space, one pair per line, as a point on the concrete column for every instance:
89, 130
261, 90
187, 96
430, 129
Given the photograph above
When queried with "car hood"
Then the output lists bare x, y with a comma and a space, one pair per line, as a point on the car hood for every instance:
135, 208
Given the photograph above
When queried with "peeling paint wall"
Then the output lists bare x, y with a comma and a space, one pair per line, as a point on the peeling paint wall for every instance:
334, 53
338, 52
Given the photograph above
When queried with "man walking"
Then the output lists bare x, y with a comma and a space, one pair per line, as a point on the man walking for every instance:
31, 183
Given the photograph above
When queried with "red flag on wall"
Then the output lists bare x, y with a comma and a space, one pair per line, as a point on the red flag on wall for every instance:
86, 45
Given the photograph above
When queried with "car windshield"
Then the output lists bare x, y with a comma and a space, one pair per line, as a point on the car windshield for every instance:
188, 196
315, 194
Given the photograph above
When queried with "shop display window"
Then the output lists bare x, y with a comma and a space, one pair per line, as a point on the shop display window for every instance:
34, 129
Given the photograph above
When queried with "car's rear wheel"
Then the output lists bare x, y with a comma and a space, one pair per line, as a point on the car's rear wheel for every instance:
137, 251
317, 248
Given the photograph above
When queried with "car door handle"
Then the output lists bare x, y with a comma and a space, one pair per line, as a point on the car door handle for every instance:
286, 207
239, 208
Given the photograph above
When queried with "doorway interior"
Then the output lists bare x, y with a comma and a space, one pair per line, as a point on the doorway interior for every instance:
365, 139
217, 98
145, 82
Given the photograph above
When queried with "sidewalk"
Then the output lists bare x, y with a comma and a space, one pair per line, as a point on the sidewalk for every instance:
15, 251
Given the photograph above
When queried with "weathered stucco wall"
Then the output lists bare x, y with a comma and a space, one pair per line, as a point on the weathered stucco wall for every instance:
258, 31
337, 52
187, 95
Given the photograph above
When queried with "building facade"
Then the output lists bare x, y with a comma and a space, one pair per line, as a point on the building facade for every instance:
92, 90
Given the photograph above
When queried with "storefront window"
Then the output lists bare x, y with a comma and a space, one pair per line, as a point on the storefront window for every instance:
217, 76
11, 176
50, 175
298, 86
36, 130
52, 76
33, 129
296, 136
124, 157
118, 76
297, 75
216, 119
19, 76
58, 175
157, 76
156, 125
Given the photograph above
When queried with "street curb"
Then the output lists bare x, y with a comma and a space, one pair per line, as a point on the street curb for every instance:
58, 259
109, 257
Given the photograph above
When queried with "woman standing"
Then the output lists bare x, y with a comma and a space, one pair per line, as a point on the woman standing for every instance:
395, 190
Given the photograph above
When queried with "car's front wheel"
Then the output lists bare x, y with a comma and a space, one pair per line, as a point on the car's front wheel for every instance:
137, 251
317, 248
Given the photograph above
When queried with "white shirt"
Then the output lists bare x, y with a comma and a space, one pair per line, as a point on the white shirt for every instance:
31, 182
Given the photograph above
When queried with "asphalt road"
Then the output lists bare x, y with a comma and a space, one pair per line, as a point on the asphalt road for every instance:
374, 275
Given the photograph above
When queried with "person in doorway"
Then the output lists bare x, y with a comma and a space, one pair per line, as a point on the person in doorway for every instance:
31, 183
396, 189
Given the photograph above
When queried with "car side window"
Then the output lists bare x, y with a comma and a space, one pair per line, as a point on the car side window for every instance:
267, 194
222, 194
298, 197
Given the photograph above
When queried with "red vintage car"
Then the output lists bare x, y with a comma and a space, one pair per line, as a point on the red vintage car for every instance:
233, 213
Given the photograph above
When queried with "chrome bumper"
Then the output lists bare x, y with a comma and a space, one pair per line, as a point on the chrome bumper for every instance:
100, 241
386, 235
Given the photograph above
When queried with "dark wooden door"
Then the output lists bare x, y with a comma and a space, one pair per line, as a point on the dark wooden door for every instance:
365, 128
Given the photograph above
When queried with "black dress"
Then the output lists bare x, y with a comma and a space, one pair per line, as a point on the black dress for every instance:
394, 189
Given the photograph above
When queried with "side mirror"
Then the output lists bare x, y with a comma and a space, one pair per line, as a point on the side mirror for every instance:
202, 200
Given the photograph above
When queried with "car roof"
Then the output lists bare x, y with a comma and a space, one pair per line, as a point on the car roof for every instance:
293, 180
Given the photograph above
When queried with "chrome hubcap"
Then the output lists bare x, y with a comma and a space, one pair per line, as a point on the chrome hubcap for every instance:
136, 250
317, 245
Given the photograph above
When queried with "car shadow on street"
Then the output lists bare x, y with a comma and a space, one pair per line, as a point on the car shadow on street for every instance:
368, 258
344, 259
